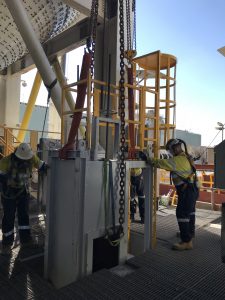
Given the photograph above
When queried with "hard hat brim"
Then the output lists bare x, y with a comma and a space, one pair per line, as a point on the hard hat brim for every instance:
22, 156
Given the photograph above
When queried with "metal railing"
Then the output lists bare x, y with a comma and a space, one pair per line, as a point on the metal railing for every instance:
92, 108
9, 141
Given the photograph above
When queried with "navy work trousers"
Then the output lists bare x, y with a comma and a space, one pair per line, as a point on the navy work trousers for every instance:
10, 206
185, 212
137, 188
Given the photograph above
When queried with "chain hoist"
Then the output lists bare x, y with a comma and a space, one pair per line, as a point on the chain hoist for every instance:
122, 119
93, 28
130, 52
134, 27
129, 46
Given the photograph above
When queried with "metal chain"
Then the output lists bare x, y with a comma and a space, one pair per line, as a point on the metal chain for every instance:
93, 18
128, 25
134, 27
122, 119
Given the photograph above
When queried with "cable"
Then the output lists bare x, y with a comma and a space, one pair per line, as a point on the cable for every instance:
213, 138
49, 89
209, 145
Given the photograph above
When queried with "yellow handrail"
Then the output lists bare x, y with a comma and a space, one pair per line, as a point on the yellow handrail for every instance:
9, 141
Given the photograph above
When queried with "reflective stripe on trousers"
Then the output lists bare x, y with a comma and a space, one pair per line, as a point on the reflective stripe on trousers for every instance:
6, 234
23, 227
183, 220
185, 211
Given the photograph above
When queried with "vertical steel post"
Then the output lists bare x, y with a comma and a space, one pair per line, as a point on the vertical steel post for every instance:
30, 106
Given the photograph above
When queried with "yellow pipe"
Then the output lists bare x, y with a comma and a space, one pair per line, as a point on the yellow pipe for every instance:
69, 98
30, 106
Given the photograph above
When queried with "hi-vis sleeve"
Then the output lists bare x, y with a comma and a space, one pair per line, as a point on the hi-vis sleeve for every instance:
178, 164
36, 162
4, 165
166, 164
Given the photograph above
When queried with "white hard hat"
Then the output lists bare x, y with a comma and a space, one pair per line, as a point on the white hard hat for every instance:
24, 151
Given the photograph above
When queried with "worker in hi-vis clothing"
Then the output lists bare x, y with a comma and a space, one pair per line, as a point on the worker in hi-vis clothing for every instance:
137, 188
15, 173
183, 175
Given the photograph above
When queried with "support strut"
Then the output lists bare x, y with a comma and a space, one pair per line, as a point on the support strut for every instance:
77, 115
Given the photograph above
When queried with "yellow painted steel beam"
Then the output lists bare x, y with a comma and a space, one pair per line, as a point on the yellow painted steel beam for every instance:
30, 106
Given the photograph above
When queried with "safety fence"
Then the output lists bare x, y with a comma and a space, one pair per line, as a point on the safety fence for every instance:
146, 124
153, 94
209, 195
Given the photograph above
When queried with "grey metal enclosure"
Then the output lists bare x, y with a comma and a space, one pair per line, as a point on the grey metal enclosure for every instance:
82, 206
219, 162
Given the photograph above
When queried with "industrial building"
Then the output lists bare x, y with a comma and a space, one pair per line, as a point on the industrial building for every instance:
120, 106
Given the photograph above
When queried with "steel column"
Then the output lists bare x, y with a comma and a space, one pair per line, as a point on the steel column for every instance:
30, 106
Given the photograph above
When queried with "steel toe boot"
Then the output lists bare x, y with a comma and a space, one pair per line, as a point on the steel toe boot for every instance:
183, 246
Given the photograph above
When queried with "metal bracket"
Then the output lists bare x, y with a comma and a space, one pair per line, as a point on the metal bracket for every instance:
95, 136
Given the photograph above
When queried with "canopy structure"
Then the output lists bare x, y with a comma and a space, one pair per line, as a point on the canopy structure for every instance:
48, 18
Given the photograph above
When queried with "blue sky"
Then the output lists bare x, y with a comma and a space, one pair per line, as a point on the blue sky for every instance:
192, 31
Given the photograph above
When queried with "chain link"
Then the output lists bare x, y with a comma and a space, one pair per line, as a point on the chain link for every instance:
134, 27
122, 118
93, 27
128, 25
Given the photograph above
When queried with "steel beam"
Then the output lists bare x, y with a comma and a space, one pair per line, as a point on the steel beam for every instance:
84, 6
30, 106
64, 42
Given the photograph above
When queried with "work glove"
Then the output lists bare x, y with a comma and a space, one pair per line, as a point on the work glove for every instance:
142, 156
44, 168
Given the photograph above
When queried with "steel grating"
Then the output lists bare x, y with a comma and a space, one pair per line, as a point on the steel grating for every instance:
167, 226
202, 258
8, 293
190, 295
101, 285
114, 288
158, 274
188, 266
10, 267
55, 295
36, 264
28, 285
213, 283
